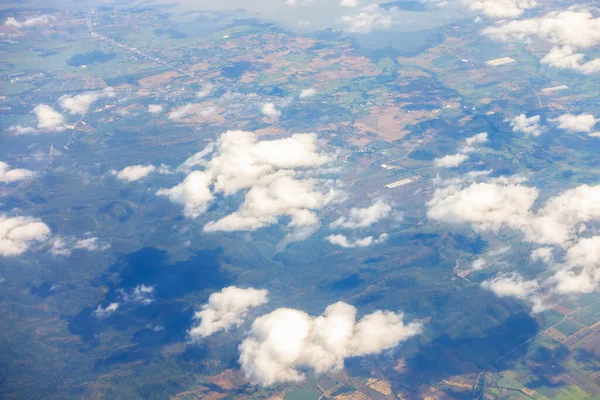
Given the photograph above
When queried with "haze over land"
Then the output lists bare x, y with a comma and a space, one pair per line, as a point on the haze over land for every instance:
300, 199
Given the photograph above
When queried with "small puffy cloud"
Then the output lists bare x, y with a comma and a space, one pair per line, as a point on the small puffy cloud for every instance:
501, 8
469, 146
575, 123
8, 175
294, 3
542, 254
343, 241
193, 193
370, 18
22, 130
569, 31
513, 285
106, 311
269, 110
181, 112
225, 309
528, 126
198, 159
90, 244
307, 93
134, 173
204, 91
155, 108
80, 103
29, 22
479, 264
18, 234
141, 294
488, 206
363, 217
283, 343
49, 119
474, 140
349, 3
62, 246
450, 161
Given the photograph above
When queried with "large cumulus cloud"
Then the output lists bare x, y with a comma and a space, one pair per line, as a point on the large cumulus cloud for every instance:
269, 174
283, 343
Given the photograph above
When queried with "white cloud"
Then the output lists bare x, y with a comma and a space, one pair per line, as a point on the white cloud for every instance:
474, 140
269, 110
80, 103
568, 31
266, 171
182, 111
363, 217
155, 108
8, 175
485, 205
62, 246
18, 234
22, 130
558, 222
198, 159
543, 254
501, 8
479, 264
193, 193
134, 173
450, 161
225, 309
307, 93
370, 18
581, 272
90, 244
141, 294
285, 341
49, 119
266, 202
105, 312
343, 241
454, 160
561, 222
513, 285
349, 3
293, 3
528, 126
575, 123
492, 205
204, 91
29, 22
